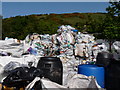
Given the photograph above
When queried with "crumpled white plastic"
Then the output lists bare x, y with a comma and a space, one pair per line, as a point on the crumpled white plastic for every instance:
82, 81
116, 46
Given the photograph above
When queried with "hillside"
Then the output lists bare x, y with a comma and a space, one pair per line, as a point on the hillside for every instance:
20, 26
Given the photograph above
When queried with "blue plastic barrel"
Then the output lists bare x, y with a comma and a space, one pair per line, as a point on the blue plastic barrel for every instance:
93, 70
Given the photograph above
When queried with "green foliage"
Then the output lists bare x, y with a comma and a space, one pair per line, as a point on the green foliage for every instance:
114, 9
20, 26
112, 22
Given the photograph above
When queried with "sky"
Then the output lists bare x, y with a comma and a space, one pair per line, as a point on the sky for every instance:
57, 0
0, 8
10, 9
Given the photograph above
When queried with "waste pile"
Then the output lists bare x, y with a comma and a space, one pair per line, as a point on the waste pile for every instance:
67, 43
71, 46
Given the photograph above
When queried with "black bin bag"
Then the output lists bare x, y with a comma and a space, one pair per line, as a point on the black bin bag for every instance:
104, 58
21, 77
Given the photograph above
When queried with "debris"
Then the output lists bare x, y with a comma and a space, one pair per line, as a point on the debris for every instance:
68, 44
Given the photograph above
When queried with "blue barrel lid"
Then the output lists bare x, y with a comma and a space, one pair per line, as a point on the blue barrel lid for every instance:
89, 66
75, 30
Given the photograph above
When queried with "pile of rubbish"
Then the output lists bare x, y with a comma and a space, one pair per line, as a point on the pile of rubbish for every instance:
67, 43
71, 46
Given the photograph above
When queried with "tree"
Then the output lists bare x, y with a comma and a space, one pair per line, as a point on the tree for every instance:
111, 23
114, 9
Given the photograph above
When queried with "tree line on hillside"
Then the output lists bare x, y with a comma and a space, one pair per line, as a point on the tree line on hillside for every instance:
20, 26
102, 25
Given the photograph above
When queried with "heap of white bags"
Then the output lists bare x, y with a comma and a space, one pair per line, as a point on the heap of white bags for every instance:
67, 44
71, 46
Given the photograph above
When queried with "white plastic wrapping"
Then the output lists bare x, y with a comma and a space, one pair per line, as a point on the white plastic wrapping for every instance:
71, 46
82, 81
116, 46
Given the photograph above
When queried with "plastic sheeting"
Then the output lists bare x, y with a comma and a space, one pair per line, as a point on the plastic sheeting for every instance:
82, 81
71, 46
23, 60
116, 46
76, 81
68, 42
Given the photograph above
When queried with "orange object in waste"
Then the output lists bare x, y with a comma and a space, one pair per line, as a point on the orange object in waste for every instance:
11, 88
